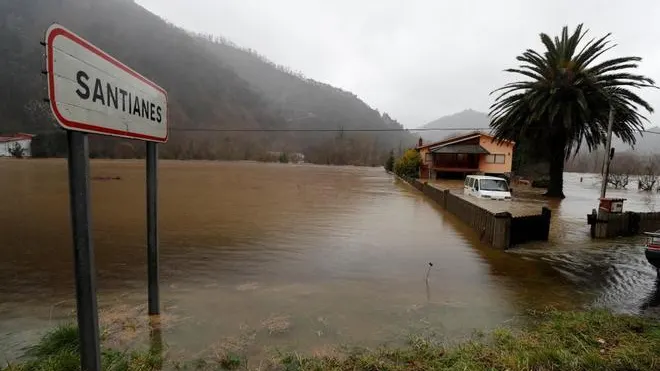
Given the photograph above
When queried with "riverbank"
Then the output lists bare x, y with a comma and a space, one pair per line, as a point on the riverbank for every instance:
552, 340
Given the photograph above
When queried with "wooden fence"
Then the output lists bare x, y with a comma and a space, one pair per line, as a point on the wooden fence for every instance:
531, 227
500, 230
630, 223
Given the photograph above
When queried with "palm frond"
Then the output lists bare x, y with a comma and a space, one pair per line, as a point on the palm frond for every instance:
567, 91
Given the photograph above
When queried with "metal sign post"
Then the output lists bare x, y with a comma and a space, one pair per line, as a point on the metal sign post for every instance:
83, 251
152, 226
90, 91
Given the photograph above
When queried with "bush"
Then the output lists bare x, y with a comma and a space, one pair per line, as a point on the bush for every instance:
408, 164
542, 182
389, 164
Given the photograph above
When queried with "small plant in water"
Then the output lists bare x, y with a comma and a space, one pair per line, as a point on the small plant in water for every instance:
428, 271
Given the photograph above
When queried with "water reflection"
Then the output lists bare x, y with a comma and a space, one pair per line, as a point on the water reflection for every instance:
428, 287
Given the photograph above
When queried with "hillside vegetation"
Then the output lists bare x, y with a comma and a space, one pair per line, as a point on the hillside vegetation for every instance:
456, 124
211, 83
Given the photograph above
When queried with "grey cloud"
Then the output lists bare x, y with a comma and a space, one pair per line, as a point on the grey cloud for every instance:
417, 60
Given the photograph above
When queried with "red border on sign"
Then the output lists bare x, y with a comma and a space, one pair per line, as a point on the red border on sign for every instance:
57, 30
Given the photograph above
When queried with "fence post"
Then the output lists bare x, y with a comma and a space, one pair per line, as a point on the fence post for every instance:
603, 226
593, 222
502, 230
547, 215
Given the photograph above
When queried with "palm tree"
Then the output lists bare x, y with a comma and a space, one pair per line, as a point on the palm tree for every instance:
565, 100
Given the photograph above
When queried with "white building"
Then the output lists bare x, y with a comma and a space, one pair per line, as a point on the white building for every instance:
7, 143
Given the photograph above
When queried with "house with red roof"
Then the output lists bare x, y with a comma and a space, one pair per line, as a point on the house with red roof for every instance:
472, 153
10, 142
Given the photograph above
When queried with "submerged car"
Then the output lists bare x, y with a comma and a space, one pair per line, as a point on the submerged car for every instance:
488, 187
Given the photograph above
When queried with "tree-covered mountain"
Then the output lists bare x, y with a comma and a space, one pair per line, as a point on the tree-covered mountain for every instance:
211, 83
468, 120
455, 124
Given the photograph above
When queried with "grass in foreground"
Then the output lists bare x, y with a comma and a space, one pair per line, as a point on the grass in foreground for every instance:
59, 350
592, 340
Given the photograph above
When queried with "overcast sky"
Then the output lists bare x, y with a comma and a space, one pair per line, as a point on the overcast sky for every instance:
416, 59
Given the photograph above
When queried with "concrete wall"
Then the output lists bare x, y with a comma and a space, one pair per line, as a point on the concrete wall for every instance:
492, 228
608, 225
495, 148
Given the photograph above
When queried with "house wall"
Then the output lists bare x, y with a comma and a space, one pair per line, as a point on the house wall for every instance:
25, 143
424, 169
496, 148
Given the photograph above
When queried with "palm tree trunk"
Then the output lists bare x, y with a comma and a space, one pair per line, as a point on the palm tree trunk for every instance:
557, 156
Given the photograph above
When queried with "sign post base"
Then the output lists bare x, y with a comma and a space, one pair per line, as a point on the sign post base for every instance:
83, 252
152, 227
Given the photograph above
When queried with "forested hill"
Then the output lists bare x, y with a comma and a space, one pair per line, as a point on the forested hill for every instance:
211, 83
455, 124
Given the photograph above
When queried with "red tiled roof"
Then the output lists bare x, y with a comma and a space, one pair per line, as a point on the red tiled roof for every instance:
15, 137
459, 138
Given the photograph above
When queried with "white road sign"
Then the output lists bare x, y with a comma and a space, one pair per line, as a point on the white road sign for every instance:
93, 92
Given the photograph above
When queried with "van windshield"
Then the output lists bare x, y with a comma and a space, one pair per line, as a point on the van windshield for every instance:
493, 185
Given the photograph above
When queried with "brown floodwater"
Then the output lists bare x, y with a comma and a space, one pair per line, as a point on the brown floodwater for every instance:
258, 257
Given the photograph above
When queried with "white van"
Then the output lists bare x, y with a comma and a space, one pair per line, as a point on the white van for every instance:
488, 187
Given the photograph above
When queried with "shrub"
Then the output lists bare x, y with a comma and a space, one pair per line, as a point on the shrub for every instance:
408, 164
542, 182
389, 163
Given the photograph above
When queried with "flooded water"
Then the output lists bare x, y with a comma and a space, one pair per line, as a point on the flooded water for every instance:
257, 257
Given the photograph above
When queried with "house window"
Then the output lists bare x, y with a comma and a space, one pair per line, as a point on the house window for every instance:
495, 159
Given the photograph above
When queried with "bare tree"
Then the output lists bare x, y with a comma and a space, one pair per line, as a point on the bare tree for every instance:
622, 167
649, 177
618, 181
17, 150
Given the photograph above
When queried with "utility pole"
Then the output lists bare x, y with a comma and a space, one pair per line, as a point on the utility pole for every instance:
608, 157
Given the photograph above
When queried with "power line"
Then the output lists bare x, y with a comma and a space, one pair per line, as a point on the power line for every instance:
265, 130
318, 130
335, 130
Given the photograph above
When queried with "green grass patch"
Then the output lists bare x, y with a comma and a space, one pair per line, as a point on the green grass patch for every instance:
566, 341
554, 340
58, 350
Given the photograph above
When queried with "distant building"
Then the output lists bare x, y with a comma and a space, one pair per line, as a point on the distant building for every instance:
294, 158
7, 142
297, 158
473, 153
